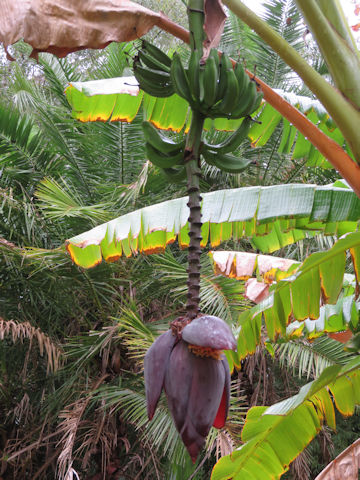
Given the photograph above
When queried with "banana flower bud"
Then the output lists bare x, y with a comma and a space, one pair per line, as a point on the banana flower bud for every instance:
191, 368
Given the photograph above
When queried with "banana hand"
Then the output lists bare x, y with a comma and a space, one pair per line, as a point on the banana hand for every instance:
157, 54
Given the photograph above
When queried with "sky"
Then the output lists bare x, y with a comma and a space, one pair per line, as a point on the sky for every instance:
347, 5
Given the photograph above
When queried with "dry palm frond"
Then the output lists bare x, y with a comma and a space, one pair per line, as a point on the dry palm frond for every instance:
256, 369
69, 426
107, 334
20, 451
224, 444
102, 435
300, 467
6, 243
72, 416
24, 330
22, 410
72, 475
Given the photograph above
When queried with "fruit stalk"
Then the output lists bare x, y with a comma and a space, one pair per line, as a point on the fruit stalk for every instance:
193, 172
196, 24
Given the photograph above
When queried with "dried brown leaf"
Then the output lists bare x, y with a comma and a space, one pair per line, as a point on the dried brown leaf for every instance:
243, 265
224, 444
213, 25
71, 420
66, 26
24, 330
300, 467
256, 291
345, 466
6, 243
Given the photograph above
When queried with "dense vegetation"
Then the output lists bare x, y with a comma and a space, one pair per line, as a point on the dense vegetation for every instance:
73, 340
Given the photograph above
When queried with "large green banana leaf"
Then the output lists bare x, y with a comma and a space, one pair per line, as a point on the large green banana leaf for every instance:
101, 100
274, 436
293, 307
332, 318
271, 217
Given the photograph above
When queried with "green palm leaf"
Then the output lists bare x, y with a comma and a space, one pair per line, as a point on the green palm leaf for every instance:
57, 201
23, 155
310, 359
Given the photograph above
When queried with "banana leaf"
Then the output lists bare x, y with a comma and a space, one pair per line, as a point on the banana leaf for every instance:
274, 436
272, 217
243, 265
294, 306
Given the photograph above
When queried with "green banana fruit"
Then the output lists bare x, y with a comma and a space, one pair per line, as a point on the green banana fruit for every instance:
175, 175
154, 76
225, 64
153, 89
226, 105
211, 78
194, 72
161, 142
233, 141
161, 160
244, 108
256, 105
226, 162
179, 78
151, 62
201, 85
157, 54
214, 53
242, 78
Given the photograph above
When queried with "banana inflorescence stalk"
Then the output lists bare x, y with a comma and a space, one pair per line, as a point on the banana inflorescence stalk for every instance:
187, 361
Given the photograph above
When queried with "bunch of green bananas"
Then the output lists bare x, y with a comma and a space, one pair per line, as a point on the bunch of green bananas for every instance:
152, 71
219, 155
215, 88
164, 153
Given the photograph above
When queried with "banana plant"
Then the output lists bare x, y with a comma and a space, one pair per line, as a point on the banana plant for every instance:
89, 248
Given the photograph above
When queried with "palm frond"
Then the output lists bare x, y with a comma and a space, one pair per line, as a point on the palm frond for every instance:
58, 201
58, 73
23, 154
220, 296
117, 57
24, 330
310, 359
160, 434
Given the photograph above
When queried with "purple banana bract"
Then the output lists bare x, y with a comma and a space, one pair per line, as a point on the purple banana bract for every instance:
194, 374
